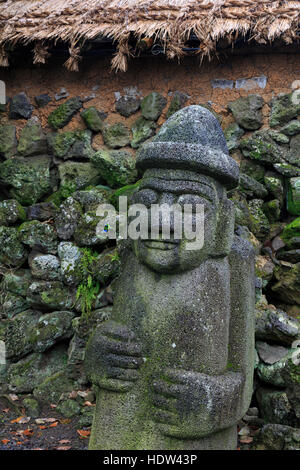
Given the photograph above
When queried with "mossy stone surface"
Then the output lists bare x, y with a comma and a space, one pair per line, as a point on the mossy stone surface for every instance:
92, 196
177, 102
127, 105
272, 209
50, 328
291, 128
86, 232
274, 184
247, 111
294, 154
31, 407
12, 304
50, 295
116, 135
93, 119
12, 252
260, 223
51, 390
71, 144
253, 169
77, 175
64, 113
233, 133
260, 146
29, 178
31, 371
39, 236
287, 287
8, 141
287, 169
116, 167
251, 187
67, 218
283, 110
291, 230
142, 129
70, 257
69, 408
16, 281
32, 140
152, 106
293, 196
45, 266
11, 212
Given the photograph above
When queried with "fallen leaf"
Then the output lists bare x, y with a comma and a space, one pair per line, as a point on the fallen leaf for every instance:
28, 432
82, 393
5, 410
45, 420
65, 421
37, 448
43, 427
53, 425
5, 441
63, 448
83, 433
13, 397
53, 406
64, 441
88, 403
73, 394
21, 420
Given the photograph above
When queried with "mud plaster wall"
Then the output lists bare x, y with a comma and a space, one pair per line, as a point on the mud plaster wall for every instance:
153, 74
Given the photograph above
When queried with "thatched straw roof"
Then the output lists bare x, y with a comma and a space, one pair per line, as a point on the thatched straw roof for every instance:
169, 21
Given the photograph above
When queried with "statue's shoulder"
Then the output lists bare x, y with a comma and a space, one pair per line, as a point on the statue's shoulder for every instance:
241, 249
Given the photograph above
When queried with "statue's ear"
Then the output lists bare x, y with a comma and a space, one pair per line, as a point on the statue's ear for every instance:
225, 228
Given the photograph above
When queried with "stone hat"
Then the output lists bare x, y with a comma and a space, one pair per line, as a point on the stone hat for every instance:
191, 139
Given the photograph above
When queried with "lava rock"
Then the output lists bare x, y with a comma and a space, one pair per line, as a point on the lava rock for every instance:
42, 100
93, 119
64, 113
152, 106
8, 141
20, 107
247, 111
127, 105
117, 167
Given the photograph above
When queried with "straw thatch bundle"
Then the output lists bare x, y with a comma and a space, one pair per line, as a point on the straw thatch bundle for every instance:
169, 21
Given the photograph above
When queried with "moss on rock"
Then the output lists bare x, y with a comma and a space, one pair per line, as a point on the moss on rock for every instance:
64, 113
29, 178
117, 167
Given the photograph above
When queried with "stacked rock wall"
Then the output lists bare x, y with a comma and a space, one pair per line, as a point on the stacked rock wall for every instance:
68, 143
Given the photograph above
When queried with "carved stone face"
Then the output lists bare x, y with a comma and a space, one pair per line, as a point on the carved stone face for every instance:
177, 187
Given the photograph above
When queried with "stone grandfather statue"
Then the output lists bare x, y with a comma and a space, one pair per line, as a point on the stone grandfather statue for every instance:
174, 365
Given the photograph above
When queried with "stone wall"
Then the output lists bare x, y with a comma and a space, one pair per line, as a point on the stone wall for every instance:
68, 142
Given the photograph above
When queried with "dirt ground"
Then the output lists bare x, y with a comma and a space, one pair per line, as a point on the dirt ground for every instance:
53, 433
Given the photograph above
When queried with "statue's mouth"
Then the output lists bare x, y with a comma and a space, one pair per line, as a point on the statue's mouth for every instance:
161, 244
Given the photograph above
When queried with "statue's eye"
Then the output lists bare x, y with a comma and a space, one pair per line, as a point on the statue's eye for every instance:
146, 197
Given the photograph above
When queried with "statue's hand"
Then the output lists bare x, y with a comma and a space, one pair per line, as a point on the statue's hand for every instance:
191, 405
113, 357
